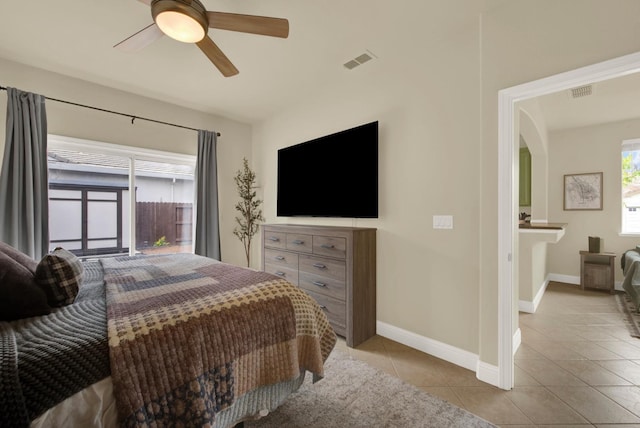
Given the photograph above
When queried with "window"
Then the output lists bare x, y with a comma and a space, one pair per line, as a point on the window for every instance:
93, 210
631, 186
88, 219
164, 207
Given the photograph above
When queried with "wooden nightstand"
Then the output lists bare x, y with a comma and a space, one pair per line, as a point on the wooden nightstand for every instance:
597, 270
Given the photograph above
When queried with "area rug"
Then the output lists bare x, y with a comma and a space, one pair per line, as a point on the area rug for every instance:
354, 394
632, 318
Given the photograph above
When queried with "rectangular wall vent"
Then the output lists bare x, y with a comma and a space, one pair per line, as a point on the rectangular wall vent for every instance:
581, 91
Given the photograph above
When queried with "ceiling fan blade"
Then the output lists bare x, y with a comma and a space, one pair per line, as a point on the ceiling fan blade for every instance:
265, 26
147, 2
140, 39
217, 57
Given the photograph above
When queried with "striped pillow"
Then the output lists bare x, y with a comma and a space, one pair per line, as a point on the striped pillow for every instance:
59, 273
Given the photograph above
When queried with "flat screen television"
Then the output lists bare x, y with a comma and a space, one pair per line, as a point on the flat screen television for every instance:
331, 176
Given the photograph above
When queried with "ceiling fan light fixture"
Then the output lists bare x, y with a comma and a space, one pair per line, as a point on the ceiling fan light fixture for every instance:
188, 21
185, 21
180, 27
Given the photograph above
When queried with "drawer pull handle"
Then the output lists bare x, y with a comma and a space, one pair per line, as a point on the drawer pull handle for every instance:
298, 242
327, 246
279, 258
274, 239
280, 273
323, 307
319, 266
319, 284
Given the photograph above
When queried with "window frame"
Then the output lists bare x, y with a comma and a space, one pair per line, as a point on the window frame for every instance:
133, 154
85, 200
632, 144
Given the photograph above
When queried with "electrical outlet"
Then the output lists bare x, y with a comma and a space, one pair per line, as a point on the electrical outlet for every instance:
443, 222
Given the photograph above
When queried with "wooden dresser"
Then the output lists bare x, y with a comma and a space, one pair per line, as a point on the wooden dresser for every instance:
334, 265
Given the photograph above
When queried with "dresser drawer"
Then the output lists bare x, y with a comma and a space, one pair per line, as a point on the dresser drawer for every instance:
322, 285
335, 310
335, 265
281, 258
299, 242
289, 274
275, 239
330, 246
334, 269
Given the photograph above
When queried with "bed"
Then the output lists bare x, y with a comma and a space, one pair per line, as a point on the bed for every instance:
162, 340
631, 283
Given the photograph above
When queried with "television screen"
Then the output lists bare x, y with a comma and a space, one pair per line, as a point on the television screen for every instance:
331, 176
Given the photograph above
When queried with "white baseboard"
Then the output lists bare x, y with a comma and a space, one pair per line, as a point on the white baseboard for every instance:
488, 373
454, 355
531, 307
526, 306
568, 279
485, 372
491, 374
517, 340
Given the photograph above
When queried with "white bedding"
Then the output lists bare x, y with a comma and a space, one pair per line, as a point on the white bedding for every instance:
95, 406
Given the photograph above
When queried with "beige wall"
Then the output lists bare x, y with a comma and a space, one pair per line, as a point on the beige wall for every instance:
588, 149
532, 266
63, 119
439, 153
428, 165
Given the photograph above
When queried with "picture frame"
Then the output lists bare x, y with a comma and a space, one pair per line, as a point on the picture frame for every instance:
583, 191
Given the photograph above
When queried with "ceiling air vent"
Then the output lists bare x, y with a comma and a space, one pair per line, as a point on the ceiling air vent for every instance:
581, 91
351, 64
360, 59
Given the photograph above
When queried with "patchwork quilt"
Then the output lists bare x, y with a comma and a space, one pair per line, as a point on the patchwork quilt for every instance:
189, 335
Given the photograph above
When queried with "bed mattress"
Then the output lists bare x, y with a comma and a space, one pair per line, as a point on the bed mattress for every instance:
55, 369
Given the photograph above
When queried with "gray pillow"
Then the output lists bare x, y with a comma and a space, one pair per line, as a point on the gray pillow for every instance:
20, 295
59, 273
19, 256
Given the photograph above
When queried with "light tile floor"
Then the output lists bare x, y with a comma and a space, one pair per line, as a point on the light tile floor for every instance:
577, 366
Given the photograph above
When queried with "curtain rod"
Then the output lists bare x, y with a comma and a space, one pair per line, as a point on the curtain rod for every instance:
133, 117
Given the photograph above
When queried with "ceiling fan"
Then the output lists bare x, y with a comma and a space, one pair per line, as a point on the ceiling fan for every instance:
188, 21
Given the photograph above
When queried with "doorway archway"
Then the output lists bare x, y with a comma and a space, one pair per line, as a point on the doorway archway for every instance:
507, 203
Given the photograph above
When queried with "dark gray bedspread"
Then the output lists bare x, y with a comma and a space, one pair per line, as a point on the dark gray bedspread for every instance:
44, 360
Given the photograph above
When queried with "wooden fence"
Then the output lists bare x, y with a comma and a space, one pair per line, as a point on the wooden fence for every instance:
172, 220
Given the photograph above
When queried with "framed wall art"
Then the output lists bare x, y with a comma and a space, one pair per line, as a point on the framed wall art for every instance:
583, 191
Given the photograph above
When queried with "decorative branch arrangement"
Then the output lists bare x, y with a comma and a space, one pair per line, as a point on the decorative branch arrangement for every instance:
248, 207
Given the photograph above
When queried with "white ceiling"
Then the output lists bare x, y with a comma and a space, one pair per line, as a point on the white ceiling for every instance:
76, 38
611, 101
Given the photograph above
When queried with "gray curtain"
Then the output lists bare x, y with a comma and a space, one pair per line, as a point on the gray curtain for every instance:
207, 236
24, 212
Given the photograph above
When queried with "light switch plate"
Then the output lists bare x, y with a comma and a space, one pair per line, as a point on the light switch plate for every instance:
443, 222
